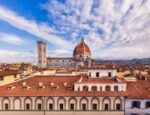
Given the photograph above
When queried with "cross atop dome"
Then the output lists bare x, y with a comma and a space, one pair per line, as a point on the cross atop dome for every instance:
82, 39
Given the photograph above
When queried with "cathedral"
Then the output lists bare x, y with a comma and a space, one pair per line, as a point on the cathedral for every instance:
81, 57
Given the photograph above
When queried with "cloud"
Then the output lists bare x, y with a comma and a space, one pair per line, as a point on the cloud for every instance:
112, 28
11, 56
12, 39
41, 30
59, 53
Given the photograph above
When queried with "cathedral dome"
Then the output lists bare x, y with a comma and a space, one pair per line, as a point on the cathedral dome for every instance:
81, 49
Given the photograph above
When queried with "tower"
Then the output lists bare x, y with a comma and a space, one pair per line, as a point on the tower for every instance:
42, 60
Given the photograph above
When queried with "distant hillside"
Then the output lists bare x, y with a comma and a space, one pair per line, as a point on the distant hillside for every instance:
123, 60
141, 60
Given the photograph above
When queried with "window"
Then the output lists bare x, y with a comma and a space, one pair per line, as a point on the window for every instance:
71, 106
97, 74
94, 88
39, 106
100, 88
85, 88
84, 107
107, 88
116, 88
135, 104
118, 106
15, 76
89, 74
51, 106
109, 74
61, 106
106, 107
94, 106
6, 106
148, 104
78, 88
1, 78
27, 106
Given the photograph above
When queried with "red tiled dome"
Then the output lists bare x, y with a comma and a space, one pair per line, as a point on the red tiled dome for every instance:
81, 48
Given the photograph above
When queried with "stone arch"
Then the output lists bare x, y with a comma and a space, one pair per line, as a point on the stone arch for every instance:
29, 102
106, 104
49, 101
84, 104
5, 101
61, 103
95, 100
117, 100
39, 103
17, 103
72, 100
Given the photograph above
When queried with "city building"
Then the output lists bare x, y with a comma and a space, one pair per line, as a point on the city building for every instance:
81, 57
77, 89
8, 76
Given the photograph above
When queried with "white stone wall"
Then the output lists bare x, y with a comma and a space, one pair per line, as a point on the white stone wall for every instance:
102, 73
121, 86
141, 111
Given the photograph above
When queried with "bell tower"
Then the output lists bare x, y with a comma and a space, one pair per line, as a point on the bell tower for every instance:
42, 60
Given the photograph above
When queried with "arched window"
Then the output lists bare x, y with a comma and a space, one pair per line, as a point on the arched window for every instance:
28, 104
50, 104
6, 104
17, 104
61, 104
94, 88
85, 88
116, 88
95, 104
72, 103
39, 104
106, 104
107, 88
118, 104
84, 104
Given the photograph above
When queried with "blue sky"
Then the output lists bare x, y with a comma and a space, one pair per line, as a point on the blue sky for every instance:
113, 29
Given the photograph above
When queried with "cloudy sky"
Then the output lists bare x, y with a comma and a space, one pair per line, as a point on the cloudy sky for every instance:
113, 29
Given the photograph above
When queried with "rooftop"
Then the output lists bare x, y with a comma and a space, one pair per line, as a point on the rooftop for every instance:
49, 86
